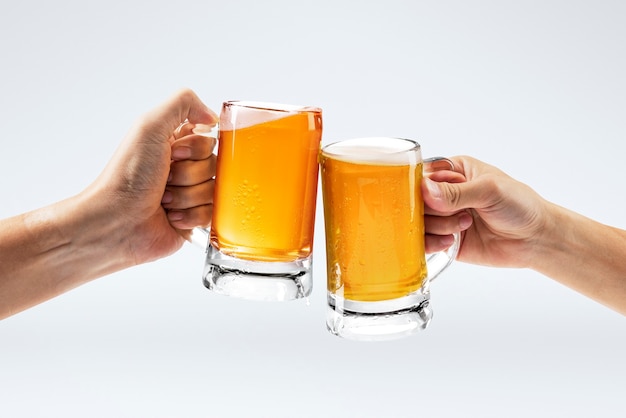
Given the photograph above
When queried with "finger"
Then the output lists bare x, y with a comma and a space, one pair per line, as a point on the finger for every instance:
188, 128
447, 212
190, 173
446, 225
188, 197
200, 216
185, 128
442, 176
436, 243
445, 176
182, 107
452, 197
193, 147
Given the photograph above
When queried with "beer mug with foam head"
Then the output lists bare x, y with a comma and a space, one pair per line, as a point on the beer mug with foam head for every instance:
378, 274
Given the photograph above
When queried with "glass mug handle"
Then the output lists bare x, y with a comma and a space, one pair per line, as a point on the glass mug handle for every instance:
200, 237
439, 261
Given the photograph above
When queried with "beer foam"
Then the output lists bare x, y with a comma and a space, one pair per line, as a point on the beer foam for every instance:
249, 113
375, 150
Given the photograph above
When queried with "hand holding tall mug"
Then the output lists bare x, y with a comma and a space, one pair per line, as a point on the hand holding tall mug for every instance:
378, 275
261, 236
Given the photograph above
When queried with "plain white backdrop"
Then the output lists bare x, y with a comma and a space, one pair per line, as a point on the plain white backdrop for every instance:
534, 87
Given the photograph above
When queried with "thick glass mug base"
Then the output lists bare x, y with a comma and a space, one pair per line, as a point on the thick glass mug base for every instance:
378, 321
257, 280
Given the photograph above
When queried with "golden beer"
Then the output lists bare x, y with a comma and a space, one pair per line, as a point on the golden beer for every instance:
374, 222
266, 187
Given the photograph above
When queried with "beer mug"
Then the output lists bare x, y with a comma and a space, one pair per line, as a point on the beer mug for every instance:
261, 236
378, 275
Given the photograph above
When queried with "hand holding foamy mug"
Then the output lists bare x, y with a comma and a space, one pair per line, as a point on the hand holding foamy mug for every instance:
377, 272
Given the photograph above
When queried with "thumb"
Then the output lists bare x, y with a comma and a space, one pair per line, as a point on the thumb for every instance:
181, 107
453, 197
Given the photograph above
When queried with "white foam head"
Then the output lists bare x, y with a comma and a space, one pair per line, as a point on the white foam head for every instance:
375, 150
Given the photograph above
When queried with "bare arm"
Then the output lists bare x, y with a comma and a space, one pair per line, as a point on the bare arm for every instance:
157, 186
51, 250
584, 255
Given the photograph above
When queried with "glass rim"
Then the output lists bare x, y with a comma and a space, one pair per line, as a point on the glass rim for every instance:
380, 143
272, 107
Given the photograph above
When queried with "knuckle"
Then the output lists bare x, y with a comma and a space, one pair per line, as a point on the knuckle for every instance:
453, 194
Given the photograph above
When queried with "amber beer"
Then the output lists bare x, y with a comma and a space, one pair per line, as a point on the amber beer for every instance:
266, 186
374, 220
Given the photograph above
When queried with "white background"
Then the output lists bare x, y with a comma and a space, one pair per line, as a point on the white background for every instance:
535, 87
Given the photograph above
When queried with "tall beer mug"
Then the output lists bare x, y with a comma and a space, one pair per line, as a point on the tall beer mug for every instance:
261, 236
377, 272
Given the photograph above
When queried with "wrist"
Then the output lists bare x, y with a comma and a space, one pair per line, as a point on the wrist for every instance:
551, 240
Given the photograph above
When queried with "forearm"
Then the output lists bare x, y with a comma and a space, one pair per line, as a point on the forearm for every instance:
584, 255
49, 251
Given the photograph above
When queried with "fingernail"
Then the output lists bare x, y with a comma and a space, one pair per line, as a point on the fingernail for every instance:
181, 153
167, 197
465, 221
201, 128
